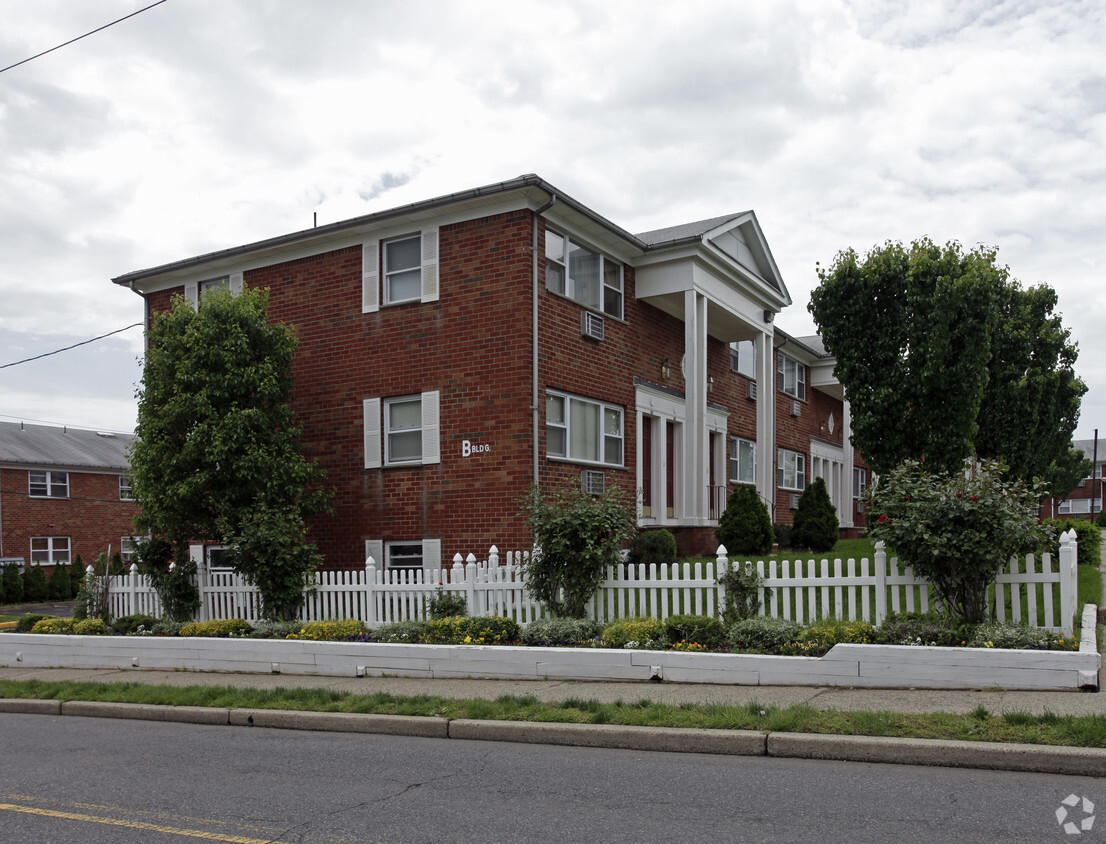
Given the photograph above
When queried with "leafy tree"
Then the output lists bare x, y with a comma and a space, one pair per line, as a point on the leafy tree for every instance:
745, 527
653, 547
943, 356
13, 585
576, 537
816, 525
1065, 472
34, 585
59, 583
957, 529
217, 455
175, 584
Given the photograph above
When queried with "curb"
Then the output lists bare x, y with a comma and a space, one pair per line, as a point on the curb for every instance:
1034, 758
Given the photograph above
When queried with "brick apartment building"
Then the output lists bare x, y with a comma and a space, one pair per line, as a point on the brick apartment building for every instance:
1085, 501
63, 492
455, 350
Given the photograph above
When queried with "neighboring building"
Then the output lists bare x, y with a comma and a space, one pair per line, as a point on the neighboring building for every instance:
63, 492
456, 350
1086, 499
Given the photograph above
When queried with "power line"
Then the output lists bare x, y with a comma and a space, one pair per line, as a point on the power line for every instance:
79, 37
75, 345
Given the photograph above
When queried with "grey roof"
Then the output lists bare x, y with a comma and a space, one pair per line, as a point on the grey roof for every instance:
811, 342
42, 445
685, 231
1087, 447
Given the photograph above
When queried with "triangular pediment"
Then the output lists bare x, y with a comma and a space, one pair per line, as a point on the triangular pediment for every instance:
742, 241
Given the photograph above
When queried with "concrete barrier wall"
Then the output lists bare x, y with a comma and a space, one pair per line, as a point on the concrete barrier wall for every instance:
864, 666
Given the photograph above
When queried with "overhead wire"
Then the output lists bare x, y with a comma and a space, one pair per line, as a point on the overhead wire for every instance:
67, 348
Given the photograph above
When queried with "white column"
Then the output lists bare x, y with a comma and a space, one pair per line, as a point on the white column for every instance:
848, 514
696, 454
766, 421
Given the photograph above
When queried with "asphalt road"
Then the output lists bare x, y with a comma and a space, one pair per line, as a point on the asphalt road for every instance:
91, 780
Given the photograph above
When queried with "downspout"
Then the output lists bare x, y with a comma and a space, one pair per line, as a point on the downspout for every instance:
535, 405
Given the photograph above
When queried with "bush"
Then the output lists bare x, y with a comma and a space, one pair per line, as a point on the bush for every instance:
762, 633
91, 627
76, 577
400, 632
35, 589
653, 547
344, 630
1088, 538
127, 625
782, 530
745, 527
59, 584
644, 632
818, 638
221, 628
816, 519
13, 585
704, 630
53, 625
27, 622
447, 605
276, 630
560, 632
1018, 637
929, 628
165, 627
742, 591
482, 630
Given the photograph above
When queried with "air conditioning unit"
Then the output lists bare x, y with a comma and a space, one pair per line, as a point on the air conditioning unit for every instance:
796, 408
794, 500
592, 481
591, 325
859, 506
751, 391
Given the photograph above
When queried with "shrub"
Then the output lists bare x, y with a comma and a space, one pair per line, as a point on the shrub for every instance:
639, 632
25, 624
447, 604
745, 527
742, 591
704, 630
175, 584
782, 530
929, 628
576, 537
76, 577
91, 627
400, 632
344, 630
53, 625
819, 637
59, 584
128, 624
276, 630
482, 630
1017, 637
13, 585
560, 632
1088, 538
762, 633
220, 628
653, 547
35, 589
816, 519
165, 627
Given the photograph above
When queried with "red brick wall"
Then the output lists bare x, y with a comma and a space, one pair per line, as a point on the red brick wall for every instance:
92, 517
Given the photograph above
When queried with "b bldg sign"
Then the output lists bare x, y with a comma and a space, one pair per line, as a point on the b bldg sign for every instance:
469, 448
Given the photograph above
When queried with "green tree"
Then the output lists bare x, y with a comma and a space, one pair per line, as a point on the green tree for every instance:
175, 584
944, 356
217, 448
13, 585
59, 583
816, 525
745, 527
1065, 473
576, 537
35, 588
957, 529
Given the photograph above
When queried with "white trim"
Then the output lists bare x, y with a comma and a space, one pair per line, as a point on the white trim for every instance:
370, 277
430, 265
375, 548
431, 428
371, 410
192, 293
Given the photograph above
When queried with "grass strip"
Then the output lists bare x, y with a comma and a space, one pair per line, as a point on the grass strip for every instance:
980, 725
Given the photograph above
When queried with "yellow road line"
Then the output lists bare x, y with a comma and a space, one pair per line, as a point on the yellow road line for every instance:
76, 816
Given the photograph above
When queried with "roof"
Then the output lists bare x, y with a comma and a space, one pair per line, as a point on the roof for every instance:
685, 231
811, 343
42, 445
1087, 447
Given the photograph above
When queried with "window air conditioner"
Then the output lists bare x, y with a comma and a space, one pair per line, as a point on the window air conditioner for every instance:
794, 501
591, 325
859, 506
751, 391
592, 481
796, 408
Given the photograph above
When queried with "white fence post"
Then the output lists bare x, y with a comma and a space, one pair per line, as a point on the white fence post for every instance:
721, 565
881, 583
1069, 578
370, 591
132, 591
196, 554
470, 586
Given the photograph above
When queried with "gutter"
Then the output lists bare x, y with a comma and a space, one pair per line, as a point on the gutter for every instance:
535, 398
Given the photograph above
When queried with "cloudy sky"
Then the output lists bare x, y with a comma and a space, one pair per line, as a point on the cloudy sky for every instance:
204, 124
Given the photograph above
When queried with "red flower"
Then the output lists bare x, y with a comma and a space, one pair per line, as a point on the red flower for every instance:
973, 498
883, 518
959, 495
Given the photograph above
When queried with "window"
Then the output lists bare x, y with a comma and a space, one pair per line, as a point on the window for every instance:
45, 484
791, 471
49, 550
402, 270
402, 431
126, 550
743, 455
1074, 506
126, 493
860, 481
404, 555
792, 377
583, 430
743, 358
579, 273
216, 558
214, 284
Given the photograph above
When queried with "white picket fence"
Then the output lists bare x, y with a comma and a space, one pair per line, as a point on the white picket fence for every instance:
803, 591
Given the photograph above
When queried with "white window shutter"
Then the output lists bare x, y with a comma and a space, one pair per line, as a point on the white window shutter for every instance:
431, 445
235, 283
375, 548
373, 439
192, 293
430, 265
432, 554
370, 277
